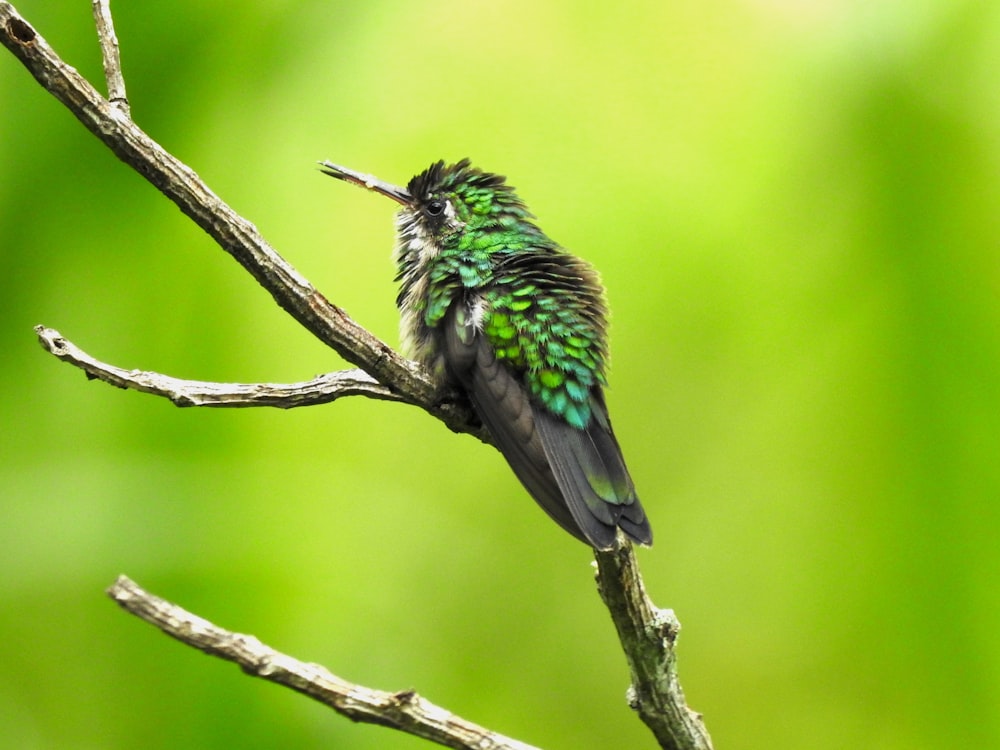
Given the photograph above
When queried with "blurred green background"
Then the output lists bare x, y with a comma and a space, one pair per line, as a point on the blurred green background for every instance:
794, 206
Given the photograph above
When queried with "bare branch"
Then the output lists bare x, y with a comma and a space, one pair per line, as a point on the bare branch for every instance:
109, 52
232, 232
403, 710
320, 390
648, 636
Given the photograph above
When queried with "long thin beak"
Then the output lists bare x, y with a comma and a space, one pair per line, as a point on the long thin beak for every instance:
398, 194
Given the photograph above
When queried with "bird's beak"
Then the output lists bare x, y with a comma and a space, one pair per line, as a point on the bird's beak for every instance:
398, 194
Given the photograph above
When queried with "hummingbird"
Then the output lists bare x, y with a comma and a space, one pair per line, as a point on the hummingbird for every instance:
492, 306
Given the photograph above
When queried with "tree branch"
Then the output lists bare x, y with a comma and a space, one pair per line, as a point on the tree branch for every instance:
109, 52
232, 232
647, 634
320, 390
403, 710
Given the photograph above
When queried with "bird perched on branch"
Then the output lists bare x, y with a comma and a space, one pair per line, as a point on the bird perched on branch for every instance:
492, 305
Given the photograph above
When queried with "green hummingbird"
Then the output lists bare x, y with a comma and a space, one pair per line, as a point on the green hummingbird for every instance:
493, 306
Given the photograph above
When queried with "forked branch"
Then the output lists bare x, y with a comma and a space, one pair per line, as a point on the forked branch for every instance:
647, 634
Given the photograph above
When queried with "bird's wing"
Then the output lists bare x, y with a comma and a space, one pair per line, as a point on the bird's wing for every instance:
577, 475
502, 403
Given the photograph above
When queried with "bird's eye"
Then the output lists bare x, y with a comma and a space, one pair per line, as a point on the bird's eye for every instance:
434, 208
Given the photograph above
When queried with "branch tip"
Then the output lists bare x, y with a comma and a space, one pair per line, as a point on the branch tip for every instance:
21, 31
110, 56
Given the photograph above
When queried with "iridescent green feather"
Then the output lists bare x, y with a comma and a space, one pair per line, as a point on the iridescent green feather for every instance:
559, 351
544, 313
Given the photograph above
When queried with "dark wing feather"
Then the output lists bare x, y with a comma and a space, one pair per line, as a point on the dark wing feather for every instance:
577, 476
591, 472
502, 404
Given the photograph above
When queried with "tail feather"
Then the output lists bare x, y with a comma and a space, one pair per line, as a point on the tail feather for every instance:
595, 483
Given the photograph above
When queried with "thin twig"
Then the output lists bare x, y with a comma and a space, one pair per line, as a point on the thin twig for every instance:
403, 710
110, 54
320, 390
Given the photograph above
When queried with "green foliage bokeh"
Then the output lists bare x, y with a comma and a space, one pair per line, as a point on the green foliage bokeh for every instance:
794, 206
